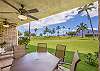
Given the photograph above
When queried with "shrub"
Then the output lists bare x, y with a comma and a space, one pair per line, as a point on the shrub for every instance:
89, 35
92, 59
23, 41
71, 33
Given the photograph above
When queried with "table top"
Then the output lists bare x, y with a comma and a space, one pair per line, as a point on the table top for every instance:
36, 62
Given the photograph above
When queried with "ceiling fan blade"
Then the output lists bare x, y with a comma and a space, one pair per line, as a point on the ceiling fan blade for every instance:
8, 12
10, 5
33, 10
32, 17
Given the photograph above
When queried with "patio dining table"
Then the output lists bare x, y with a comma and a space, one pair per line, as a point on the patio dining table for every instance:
36, 62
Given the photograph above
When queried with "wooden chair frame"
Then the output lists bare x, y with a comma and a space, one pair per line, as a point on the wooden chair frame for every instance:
62, 59
40, 47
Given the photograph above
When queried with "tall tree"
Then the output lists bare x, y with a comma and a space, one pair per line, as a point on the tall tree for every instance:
26, 34
87, 8
35, 30
44, 33
58, 28
29, 31
41, 34
81, 28
69, 29
63, 29
47, 30
53, 31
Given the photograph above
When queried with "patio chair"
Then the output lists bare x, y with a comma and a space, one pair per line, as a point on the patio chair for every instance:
60, 52
42, 47
73, 66
19, 51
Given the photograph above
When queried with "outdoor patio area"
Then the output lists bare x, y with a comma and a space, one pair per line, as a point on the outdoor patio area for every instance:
49, 35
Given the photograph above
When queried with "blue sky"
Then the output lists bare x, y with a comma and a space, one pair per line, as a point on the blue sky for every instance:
69, 19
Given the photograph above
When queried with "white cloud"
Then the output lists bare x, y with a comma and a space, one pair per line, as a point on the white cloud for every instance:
59, 18
94, 12
93, 28
53, 19
74, 30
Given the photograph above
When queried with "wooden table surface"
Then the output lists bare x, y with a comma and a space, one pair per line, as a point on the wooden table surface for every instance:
36, 62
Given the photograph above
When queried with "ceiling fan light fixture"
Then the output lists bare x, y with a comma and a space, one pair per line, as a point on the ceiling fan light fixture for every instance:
22, 17
6, 25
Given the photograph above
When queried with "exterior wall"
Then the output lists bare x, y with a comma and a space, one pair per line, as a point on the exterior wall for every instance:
9, 35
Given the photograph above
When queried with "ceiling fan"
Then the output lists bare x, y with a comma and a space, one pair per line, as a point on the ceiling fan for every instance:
5, 23
22, 11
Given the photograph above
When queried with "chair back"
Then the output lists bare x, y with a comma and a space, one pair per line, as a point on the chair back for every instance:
18, 51
75, 61
60, 52
42, 47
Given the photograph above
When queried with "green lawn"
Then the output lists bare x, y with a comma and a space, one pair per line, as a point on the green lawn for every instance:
83, 45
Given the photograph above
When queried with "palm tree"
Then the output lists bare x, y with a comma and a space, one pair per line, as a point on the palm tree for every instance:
58, 28
87, 8
63, 29
88, 32
53, 31
81, 27
29, 31
41, 34
44, 33
35, 30
26, 34
69, 29
46, 30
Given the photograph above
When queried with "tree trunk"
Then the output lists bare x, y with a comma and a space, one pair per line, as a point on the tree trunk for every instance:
29, 31
90, 23
63, 33
82, 33
58, 33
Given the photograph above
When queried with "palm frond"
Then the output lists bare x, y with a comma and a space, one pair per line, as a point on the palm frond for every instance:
80, 8
85, 6
90, 4
89, 9
85, 24
93, 7
80, 11
78, 26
